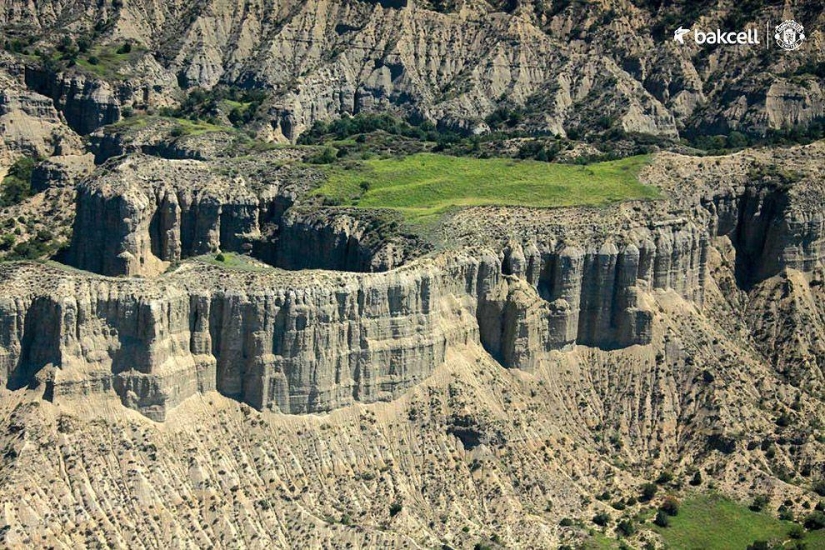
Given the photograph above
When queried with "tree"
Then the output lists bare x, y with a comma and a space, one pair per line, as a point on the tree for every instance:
327, 156
759, 503
662, 519
815, 521
16, 186
796, 532
626, 528
601, 519
664, 477
648, 491
670, 506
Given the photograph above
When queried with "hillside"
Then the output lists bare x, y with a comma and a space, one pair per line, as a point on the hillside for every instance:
452, 274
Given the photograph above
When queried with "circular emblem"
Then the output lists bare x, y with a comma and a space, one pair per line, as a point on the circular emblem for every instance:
789, 35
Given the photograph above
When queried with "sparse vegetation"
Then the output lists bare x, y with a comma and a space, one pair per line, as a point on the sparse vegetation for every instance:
601, 519
648, 491
104, 61
714, 522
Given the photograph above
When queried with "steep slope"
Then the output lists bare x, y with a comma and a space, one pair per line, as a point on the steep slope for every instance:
575, 68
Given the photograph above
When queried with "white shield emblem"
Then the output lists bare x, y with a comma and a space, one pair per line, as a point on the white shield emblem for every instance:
789, 35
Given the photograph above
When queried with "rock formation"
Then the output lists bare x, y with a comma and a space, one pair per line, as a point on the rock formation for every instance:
320, 60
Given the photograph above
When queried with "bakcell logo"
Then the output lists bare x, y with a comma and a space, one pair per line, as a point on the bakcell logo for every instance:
679, 35
750, 36
788, 35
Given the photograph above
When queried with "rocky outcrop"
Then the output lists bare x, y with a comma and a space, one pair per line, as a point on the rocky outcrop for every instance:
60, 171
291, 347
591, 295
86, 103
138, 223
770, 228
305, 343
29, 123
329, 239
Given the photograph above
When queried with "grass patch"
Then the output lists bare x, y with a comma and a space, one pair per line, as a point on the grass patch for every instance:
426, 184
599, 541
186, 127
106, 60
713, 522
182, 126
231, 260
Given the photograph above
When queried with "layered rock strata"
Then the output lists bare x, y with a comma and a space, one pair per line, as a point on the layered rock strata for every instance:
770, 230
134, 221
313, 341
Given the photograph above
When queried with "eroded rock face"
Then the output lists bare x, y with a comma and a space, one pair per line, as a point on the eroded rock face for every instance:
145, 214
770, 230
313, 343
323, 60
86, 103
589, 295
29, 122
294, 348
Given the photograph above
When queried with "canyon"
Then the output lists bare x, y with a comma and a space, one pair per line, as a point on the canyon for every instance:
200, 347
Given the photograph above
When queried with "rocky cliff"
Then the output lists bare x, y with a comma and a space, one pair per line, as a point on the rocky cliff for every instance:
143, 214
297, 344
260, 339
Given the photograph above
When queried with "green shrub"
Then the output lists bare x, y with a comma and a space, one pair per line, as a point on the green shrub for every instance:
648, 491
601, 519
815, 521
664, 477
759, 503
7, 241
670, 506
220, 257
626, 528
93, 60
395, 508
327, 156
662, 519
125, 48
16, 186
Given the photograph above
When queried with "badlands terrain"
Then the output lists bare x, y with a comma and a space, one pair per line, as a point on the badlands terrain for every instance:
407, 274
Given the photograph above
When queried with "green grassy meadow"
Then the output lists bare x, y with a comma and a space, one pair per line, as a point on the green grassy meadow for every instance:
712, 522
427, 184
